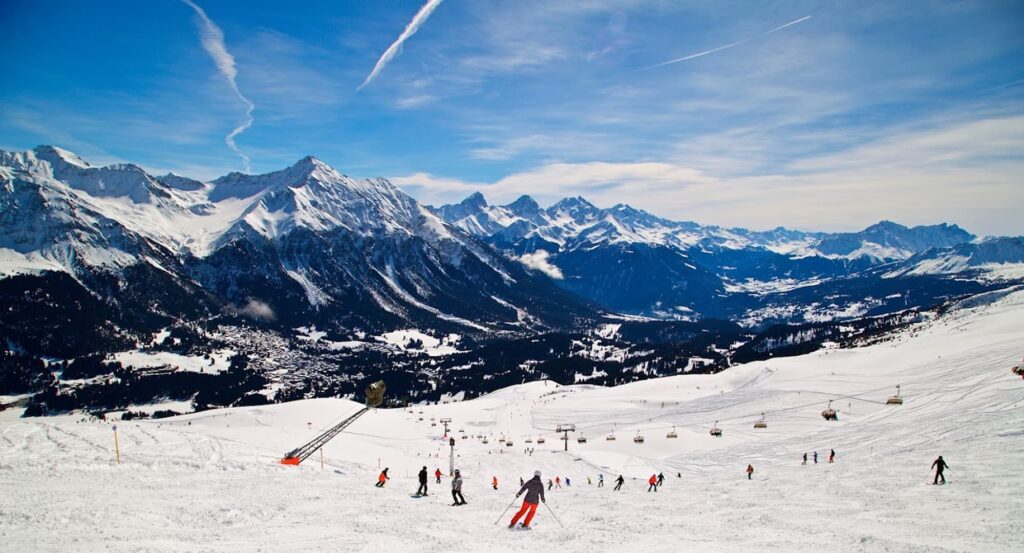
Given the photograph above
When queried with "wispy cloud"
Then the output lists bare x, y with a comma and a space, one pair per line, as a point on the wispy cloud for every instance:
731, 45
212, 39
417, 21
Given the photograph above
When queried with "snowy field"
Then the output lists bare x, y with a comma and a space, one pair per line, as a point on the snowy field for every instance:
211, 481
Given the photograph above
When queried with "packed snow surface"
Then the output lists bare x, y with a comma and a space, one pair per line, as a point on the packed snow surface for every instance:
211, 481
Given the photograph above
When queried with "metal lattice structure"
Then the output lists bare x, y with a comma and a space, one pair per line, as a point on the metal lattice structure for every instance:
374, 397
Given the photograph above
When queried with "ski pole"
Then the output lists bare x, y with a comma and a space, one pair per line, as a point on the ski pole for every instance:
502, 515
553, 514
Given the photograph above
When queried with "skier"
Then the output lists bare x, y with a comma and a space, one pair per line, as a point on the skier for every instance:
567, 482
831, 456
589, 482
534, 490
457, 489
618, 483
558, 482
661, 478
382, 478
494, 482
550, 483
815, 457
750, 472
653, 481
600, 480
437, 475
939, 465
805, 458
423, 482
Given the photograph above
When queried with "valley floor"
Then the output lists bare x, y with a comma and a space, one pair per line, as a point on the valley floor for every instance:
211, 482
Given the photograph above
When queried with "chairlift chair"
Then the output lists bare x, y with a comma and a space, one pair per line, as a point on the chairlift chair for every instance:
529, 440
581, 439
672, 434
829, 413
761, 423
896, 399
716, 431
540, 439
639, 438
611, 437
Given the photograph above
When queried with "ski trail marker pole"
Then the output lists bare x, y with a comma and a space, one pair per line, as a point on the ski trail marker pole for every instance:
502, 515
117, 448
553, 514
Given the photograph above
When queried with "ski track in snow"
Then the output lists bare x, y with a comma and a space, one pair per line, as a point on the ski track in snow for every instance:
211, 481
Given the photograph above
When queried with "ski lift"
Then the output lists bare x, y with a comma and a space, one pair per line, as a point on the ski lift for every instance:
639, 438
829, 413
433, 424
540, 439
529, 440
716, 431
582, 439
896, 399
761, 423
1018, 370
611, 437
672, 434
508, 443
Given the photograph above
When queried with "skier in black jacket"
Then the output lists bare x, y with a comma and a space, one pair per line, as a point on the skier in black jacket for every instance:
423, 482
534, 490
939, 465
618, 483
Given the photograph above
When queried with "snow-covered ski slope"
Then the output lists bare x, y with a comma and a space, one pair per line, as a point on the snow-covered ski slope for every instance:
211, 482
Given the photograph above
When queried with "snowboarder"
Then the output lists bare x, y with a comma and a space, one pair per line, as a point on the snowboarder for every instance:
423, 482
494, 482
661, 479
805, 458
939, 465
534, 491
831, 455
618, 483
437, 475
600, 480
815, 457
457, 489
558, 482
653, 481
750, 472
382, 478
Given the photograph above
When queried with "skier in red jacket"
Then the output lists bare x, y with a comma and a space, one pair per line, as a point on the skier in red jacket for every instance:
437, 475
653, 481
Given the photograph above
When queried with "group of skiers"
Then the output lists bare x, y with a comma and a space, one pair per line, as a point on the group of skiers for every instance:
534, 487
831, 457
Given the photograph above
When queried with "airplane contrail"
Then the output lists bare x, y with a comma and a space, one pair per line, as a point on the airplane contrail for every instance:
781, 27
417, 21
212, 39
737, 43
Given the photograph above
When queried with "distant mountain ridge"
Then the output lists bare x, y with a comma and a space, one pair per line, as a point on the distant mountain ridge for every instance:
632, 261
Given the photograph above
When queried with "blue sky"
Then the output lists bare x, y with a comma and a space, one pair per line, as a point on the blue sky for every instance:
855, 112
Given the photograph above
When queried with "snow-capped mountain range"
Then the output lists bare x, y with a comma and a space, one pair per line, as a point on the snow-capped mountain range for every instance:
123, 287
632, 261
298, 246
